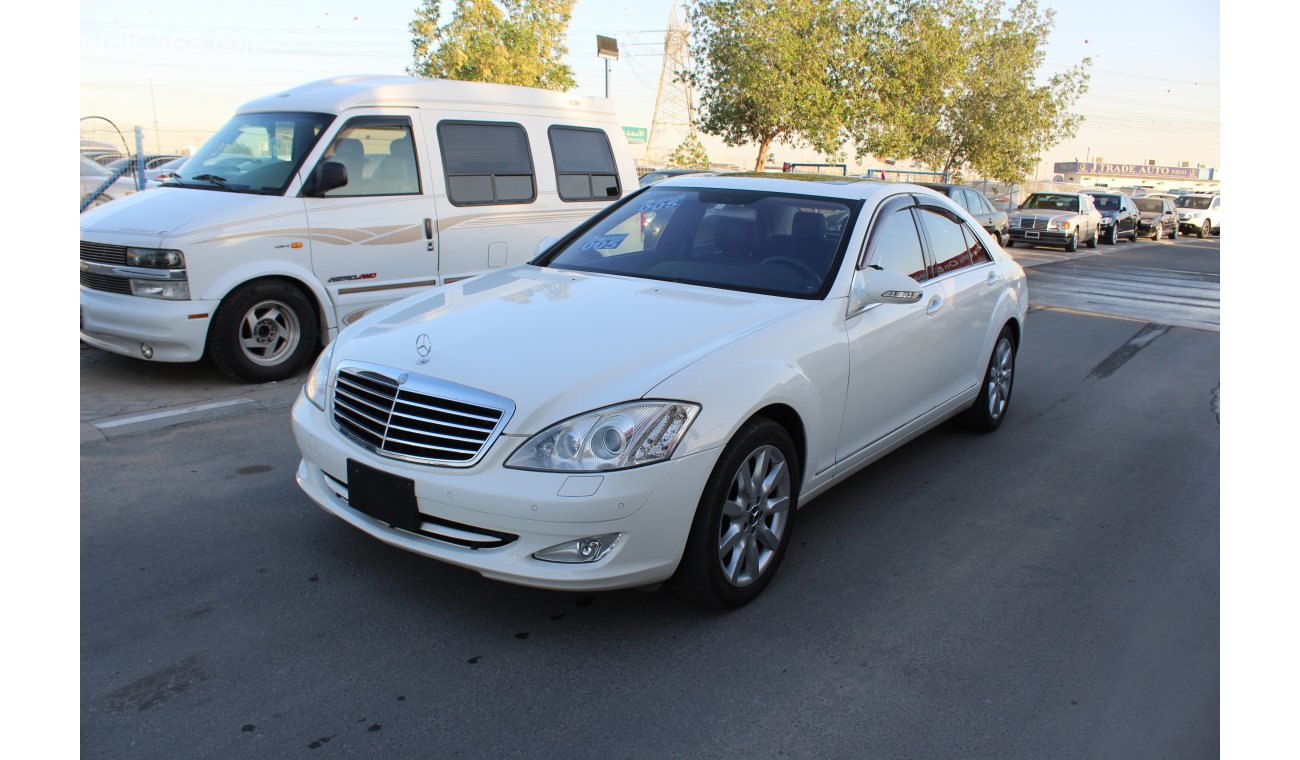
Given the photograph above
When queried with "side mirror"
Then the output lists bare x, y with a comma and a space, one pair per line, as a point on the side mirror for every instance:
881, 286
329, 175
546, 243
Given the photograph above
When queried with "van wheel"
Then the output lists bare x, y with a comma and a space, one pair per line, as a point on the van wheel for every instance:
743, 523
263, 331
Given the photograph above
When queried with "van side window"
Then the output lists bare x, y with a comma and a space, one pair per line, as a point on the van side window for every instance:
584, 164
379, 154
486, 162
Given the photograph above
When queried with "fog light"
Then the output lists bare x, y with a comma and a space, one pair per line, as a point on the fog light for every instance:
146, 350
589, 549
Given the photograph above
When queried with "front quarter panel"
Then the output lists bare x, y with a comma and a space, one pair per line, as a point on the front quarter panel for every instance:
800, 362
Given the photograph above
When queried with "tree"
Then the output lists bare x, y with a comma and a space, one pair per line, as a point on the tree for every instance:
953, 85
517, 42
768, 70
689, 154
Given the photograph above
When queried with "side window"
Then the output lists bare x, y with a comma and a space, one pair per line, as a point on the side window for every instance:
978, 253
979, 204
971, 201
896, 246
486, 162
947, 242
379, 154
584, 164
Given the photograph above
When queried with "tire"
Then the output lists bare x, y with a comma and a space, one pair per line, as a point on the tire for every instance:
263, 331
1009, 244
1112, 236
1204, 232
993, 403
717, 576
1155, 237
1174, 235
1092, 241
1134, 237
1073, 244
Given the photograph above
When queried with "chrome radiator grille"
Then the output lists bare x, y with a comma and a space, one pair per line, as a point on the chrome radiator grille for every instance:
103, 254
419, 420
1031, 223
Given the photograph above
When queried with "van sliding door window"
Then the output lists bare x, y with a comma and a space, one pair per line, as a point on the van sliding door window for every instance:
486, 163
584, 164
379, 154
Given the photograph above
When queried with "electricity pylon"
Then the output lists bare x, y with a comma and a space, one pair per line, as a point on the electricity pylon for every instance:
674, 116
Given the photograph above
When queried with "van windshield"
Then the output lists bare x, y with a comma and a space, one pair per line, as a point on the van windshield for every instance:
253, 153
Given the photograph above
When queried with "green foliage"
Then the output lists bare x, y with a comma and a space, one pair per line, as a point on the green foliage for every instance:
768, 70
689, 154
953, 85
517, 42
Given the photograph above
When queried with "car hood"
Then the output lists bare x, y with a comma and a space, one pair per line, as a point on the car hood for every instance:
558, 343
1150, 214
163, 211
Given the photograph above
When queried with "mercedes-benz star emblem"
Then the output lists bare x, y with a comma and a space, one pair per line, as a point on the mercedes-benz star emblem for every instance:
422, 347
402, 378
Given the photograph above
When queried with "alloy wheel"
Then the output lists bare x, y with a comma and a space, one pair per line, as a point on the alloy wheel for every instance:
999, 378
269, 332
754, 516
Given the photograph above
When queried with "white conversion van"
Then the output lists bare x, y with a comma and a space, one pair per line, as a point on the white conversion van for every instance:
314, 206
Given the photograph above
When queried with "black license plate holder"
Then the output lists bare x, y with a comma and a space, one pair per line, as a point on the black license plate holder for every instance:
386, 497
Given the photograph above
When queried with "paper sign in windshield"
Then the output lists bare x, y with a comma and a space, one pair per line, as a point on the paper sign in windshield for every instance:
603, 243
662, 203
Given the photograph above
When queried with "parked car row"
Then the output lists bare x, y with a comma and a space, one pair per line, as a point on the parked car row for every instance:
534, 368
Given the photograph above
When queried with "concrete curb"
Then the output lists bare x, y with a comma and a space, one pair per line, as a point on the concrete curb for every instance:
123, 426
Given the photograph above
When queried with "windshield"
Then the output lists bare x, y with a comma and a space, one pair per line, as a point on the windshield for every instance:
1052, 202
1106, 202
749, 240
253, 153
1192, 202
1149, 204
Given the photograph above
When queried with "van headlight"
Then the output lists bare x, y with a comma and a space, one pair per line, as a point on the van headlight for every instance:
318, 380
614, 438
155, 258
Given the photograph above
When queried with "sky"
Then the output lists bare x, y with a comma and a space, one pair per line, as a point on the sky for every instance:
180, 68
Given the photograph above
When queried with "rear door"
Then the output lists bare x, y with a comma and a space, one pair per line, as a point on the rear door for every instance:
372, 240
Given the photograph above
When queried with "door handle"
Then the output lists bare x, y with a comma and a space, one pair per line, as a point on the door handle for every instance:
428, 233
993, 279
936, 303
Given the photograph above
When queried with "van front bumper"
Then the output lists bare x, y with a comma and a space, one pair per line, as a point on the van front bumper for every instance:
651, 509
176, 331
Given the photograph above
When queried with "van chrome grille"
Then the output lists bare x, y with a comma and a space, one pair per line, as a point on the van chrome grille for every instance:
102, 253
106, 283
420, 420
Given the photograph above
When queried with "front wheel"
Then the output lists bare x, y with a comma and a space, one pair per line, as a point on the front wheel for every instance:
1174, 234
1205, 231
995, 394
744, 519
1092, 241
1073, 244
1112, 237
263, 331
1155, 238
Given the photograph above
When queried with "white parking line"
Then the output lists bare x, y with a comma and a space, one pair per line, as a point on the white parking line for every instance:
170, 413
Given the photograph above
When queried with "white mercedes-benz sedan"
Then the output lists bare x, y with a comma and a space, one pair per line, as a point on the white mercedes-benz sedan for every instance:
654, 396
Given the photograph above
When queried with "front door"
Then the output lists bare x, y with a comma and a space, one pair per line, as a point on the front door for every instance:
373, 240
891, 346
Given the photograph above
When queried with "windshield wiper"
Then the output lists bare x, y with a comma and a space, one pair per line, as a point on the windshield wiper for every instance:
214, 179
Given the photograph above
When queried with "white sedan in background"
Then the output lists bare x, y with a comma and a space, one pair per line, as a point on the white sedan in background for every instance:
93, 176
655, 395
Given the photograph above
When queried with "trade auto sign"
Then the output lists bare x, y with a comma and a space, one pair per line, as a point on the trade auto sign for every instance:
1126, 170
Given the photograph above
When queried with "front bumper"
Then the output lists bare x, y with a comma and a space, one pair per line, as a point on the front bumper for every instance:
1190, 225
1040, 237
651, 507
176, 330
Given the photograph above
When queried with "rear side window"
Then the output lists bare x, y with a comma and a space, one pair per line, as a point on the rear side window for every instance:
584, 164
978, 254
947, 242
486, 163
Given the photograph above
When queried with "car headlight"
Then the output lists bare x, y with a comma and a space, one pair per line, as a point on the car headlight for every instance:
155, 258
1105, 220
318, 380
1059, 224
614, 438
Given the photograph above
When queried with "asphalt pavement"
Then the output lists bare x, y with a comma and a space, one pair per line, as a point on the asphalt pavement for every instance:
1047, 591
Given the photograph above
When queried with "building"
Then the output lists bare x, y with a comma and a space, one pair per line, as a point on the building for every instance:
1147, 175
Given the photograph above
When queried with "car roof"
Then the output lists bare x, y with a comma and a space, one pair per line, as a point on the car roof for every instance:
829, 186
